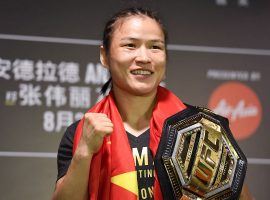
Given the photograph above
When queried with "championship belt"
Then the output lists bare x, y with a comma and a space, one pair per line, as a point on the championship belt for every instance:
198, 157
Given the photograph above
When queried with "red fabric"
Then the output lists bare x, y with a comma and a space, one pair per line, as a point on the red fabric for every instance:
115, 156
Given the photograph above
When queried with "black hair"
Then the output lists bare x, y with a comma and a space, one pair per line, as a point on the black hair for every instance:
110, 25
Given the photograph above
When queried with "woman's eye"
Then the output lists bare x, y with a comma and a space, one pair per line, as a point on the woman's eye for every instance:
130, 45
156, 47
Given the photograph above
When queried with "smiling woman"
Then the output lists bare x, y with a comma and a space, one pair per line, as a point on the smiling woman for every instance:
117, 139
109, 153
137, 56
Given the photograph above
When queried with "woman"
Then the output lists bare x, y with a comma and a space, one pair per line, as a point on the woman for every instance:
114, 145
134, 51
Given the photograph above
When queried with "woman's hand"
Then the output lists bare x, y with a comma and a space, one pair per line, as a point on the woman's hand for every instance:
184, 197
96, 126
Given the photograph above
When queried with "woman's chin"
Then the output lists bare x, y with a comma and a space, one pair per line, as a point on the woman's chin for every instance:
144, 90
137, 89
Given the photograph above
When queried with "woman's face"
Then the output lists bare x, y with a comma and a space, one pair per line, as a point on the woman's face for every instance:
137, 55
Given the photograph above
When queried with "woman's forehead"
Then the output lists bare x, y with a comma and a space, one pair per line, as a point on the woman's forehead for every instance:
138, 26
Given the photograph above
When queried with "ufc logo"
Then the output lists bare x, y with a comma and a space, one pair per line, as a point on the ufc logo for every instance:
208, 160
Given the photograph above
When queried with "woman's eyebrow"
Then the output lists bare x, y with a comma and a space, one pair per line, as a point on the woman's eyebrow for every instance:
130, 38
137, 39
161, 41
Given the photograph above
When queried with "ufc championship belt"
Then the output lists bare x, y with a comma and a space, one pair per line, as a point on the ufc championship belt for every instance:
198, 157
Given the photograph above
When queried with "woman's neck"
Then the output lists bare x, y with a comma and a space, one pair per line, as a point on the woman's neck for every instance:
136, 111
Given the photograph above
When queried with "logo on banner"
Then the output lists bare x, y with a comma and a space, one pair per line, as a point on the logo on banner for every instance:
240, 105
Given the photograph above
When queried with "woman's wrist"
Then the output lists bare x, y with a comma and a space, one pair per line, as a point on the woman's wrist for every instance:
83, 151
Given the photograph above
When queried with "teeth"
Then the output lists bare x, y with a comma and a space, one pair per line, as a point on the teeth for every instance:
141, 72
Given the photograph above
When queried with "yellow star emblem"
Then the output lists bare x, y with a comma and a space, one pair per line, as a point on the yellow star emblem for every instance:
127, 181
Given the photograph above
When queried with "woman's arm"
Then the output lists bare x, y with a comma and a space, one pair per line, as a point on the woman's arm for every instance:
245, 194
74, 185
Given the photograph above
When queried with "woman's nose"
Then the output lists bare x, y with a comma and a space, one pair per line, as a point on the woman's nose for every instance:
143, 55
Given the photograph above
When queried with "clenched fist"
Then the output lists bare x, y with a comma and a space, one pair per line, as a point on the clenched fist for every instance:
96, 126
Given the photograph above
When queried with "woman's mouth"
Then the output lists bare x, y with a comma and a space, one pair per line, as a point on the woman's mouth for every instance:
141, 72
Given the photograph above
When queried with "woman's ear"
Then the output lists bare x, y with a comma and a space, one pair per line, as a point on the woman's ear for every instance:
103, 57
